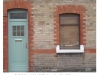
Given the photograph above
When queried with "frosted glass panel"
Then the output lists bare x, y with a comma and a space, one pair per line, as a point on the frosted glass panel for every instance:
18, 15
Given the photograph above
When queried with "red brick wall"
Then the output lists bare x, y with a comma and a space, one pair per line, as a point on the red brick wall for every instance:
12, 4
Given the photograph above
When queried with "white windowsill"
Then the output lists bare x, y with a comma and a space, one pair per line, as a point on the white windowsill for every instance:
81, 50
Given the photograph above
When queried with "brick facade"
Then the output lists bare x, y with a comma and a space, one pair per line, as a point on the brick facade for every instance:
43, 34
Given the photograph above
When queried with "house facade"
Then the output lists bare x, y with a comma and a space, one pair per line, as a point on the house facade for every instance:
49, 35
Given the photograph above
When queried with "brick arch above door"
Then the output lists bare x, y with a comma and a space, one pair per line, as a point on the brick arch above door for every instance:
16, 4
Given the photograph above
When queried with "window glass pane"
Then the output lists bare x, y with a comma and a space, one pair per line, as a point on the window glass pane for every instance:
69, 37
69, 19
18, 15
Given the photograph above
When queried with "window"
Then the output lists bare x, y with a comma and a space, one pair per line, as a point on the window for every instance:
69, 34
70, 28
69, 31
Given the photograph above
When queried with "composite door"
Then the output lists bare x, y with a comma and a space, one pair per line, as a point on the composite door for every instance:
18, 39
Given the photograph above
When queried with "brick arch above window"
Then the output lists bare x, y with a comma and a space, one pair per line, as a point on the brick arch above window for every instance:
62, 9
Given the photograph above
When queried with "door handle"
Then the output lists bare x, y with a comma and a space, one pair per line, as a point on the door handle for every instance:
26, 45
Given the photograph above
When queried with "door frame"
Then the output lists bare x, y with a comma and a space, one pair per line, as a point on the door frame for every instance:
10, 36
17, 4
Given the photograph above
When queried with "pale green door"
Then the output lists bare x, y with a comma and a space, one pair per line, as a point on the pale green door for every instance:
18, 41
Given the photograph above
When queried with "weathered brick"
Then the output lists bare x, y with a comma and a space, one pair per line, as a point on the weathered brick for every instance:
44, 32
64, 61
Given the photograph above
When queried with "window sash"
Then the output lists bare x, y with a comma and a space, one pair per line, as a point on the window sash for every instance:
69, 19
69, 37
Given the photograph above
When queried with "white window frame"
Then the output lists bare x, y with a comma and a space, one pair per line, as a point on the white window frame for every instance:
81, 50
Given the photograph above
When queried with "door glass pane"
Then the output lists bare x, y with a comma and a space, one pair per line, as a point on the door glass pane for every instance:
14, 28
14, 33
18, 28
22, 27
22, 33
18, 15
18, 33
22, 30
